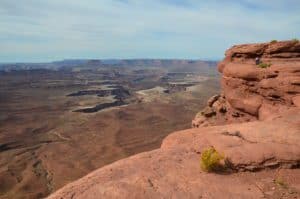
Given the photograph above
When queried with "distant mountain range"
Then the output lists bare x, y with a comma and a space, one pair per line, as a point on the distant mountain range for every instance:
95, 63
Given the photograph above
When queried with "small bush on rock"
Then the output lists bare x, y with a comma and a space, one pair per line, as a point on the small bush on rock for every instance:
211, 160
295, 40
264, 65
273, 41
280, 182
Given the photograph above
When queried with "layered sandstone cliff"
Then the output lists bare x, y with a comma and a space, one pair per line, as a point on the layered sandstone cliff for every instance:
250, 91
260, 139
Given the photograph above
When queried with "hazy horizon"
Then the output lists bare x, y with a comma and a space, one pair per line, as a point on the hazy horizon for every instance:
107, 59
49, 30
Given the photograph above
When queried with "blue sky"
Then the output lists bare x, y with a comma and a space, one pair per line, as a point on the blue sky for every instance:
45, 30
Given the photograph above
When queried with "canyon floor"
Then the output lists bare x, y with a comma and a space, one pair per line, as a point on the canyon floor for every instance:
58, 125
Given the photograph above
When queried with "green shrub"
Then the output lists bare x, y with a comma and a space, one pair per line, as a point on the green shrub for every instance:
274, 41
211, 160
295, 40
264, 65
280, 182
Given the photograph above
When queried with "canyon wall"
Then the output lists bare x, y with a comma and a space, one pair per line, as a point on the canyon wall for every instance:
253, 91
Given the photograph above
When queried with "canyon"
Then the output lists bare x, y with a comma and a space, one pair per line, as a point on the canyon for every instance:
254, 122
61, 120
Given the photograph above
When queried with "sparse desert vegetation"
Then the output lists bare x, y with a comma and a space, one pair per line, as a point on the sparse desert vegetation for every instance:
264, 65
211, 160
280, 182
273, 41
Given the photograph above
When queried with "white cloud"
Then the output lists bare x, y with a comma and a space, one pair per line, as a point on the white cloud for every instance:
56, 29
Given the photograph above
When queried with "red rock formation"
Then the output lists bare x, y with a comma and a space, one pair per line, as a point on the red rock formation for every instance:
262, 156
250, 92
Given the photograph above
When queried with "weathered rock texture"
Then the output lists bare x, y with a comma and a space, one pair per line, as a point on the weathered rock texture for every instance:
262, 155
250, 92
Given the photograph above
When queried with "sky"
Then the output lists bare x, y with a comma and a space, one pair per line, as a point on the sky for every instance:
47, 30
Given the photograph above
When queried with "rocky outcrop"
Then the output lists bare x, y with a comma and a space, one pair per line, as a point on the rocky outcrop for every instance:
250, 91
173, 171
262, 155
